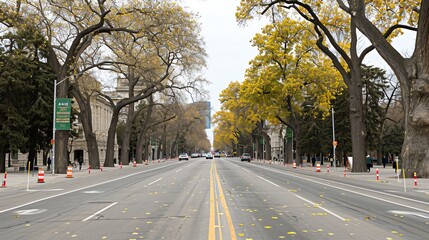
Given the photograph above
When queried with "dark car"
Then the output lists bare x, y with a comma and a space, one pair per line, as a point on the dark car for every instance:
245, 157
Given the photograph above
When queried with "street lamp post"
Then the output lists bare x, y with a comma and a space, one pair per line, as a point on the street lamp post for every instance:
53, 118
334, 143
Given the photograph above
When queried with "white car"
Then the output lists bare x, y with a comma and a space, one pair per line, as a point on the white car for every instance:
183, 156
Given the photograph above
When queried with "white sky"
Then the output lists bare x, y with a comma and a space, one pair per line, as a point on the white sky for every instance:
229, 50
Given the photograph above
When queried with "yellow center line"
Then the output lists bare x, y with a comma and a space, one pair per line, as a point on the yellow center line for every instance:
212, 234
225, 207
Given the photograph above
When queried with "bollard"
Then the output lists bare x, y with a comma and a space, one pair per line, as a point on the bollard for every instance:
415, 179
327, 169
378, 177
41, 176
4, 179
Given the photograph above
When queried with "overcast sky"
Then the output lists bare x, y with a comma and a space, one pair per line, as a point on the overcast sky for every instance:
229, 50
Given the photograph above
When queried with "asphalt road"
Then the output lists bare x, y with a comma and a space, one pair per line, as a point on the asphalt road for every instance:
212, 199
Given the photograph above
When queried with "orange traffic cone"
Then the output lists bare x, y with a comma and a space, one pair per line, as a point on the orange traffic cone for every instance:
41, 176
317, 167
69, 172
134, 164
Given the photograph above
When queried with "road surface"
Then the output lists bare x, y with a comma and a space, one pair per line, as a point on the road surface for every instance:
213, 199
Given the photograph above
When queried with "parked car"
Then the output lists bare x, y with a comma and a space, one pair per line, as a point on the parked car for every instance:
209, 156
217, 155
183, 156
246, 157
195, 155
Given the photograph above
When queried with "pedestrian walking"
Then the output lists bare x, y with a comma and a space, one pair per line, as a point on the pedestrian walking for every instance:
49, 163
80, 160
368, 163
384, 161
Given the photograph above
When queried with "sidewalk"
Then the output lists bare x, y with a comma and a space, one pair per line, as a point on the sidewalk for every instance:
385, 175
19, 179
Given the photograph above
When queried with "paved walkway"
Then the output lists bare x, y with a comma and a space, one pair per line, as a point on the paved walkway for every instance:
20, 179
385, 175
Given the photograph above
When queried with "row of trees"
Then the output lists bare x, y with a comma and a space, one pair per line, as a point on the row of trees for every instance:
333, 28
153, 45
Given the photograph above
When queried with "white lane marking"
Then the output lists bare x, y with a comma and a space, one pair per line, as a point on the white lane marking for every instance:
93, 191
324, 209
410, 213
179, 170
45, 190
245, 170
83, 188
102, 210
347, 185
358, 193
159, 179
268, 181
30, 211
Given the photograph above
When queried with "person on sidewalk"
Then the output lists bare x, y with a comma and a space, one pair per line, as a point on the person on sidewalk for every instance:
384, 161
49, 163
80, 160
368, 163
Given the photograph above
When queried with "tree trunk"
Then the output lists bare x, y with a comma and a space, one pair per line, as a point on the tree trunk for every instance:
358, 131
85, 116
2, 159
60, 160
126, 135
108, 162
139, 146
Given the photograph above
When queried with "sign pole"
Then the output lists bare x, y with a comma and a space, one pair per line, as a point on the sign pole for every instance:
334, 143
53, 126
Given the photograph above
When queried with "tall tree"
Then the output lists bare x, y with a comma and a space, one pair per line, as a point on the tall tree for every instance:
412, 74
70, 28
340, 30
26, 122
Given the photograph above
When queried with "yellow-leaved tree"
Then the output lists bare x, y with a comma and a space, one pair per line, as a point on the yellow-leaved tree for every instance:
288, 74
338, 38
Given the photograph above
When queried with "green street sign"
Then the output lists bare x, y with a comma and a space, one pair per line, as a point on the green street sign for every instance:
62, 114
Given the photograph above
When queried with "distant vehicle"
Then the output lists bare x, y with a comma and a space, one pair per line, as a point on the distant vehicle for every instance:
245, 157
209, 156
222, 154
183, 156
195, 155
217, 155
228, 155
